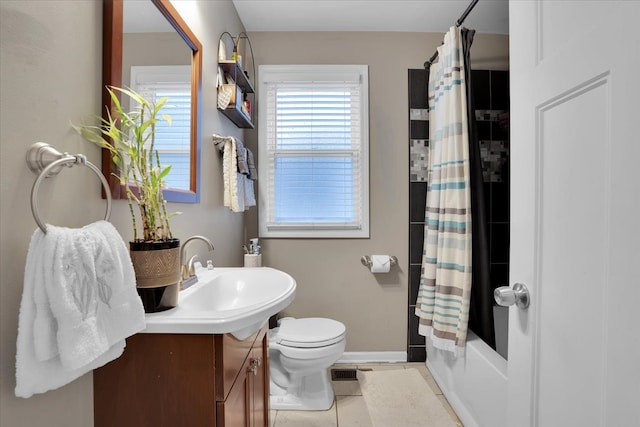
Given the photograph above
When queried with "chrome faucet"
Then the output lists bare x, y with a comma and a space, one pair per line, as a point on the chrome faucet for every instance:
187, 267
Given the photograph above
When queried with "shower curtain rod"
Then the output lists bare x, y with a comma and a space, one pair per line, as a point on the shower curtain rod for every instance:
459, 22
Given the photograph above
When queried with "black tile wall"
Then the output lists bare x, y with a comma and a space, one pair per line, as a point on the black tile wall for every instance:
499, 215
499, 90
416, 239
499, 274
418, 146
417, 354
499, 130
481, 89
499, 202
419, 129
414, 338
487, 199
414, 283
418, 201
418, 88
484, 130
491, 96
499, 236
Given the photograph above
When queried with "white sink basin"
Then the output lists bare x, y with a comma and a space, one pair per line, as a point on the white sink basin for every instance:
232, 300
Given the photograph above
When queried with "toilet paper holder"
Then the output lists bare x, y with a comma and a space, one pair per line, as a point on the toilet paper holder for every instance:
366, 260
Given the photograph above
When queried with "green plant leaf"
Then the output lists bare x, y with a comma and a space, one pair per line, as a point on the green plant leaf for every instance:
129, 137
165, 171
114, 100
89, 133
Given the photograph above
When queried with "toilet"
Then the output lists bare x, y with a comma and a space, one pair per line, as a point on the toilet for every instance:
300, 352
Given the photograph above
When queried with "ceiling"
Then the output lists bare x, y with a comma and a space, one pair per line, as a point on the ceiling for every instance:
488, 16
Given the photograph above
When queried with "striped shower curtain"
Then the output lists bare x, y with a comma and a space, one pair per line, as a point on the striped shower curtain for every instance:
445, 283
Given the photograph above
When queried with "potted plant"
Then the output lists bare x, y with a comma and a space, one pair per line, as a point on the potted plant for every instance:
129, 135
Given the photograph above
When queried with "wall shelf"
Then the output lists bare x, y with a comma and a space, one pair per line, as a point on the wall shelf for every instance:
233, 68
234, 84
236, 113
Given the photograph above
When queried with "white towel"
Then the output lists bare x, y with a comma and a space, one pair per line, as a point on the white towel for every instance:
238, 189
230, 170
79, 303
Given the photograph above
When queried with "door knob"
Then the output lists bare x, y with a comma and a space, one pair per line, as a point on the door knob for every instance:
519, 295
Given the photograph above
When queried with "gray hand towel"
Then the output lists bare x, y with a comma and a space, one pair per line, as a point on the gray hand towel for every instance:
253, 172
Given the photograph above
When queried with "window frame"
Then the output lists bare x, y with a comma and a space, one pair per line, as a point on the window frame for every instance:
180, 76
267, 227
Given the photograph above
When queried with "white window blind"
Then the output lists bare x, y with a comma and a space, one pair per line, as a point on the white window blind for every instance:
173, 142
313, 151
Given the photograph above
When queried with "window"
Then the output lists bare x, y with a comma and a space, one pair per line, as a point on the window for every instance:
313, 151
173, 142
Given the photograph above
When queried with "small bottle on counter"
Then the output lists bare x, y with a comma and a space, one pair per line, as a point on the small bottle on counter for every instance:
253, 258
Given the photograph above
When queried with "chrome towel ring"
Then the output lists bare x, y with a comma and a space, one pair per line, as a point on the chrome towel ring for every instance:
46, 161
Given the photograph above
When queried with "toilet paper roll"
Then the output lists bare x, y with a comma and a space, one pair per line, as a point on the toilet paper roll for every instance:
380, 263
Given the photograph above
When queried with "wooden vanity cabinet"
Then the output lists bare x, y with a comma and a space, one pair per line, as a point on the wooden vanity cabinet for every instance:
242, 393
186, 380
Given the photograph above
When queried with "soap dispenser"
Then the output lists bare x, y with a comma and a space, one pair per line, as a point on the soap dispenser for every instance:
254, 257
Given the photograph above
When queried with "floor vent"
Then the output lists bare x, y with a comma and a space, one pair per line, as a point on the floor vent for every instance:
343, 375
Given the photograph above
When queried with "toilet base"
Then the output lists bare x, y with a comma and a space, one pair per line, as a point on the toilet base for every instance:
311, 393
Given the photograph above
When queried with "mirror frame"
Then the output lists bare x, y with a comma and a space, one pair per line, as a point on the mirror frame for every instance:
112, 76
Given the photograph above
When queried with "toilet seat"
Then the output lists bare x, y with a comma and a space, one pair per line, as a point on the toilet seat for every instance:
311, 332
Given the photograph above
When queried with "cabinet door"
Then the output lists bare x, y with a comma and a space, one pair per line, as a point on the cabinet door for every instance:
260, 384
160, 380
231, 354
235, 410
247, 402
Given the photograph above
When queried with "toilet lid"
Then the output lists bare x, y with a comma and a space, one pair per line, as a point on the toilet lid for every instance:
310, 332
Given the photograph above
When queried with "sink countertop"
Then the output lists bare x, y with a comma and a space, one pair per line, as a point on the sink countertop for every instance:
234, 300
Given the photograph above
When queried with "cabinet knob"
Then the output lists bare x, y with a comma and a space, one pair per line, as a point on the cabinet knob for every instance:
255, 363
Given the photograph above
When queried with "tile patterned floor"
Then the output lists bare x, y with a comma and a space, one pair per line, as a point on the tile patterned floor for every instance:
349, 409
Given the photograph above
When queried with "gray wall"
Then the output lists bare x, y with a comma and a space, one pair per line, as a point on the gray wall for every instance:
51, 56
152, 49
331, 280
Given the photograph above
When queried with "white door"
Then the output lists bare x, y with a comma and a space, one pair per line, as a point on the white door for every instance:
574, 354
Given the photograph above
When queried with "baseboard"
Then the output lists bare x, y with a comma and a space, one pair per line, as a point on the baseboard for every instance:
351, 357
